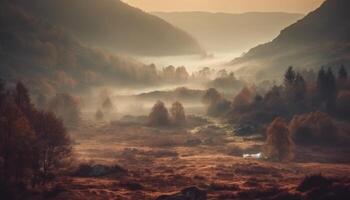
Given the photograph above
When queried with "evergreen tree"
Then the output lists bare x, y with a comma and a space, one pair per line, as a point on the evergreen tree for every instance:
342, 73
289, 77
331, 91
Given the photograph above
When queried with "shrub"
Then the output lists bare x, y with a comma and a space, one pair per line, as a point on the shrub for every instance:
279, 143
159, 115
316, 127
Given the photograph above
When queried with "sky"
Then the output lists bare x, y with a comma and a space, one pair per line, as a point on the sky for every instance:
231, 6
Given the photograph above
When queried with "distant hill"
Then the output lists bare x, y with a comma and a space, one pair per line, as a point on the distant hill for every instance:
49, 60
183, 94
230, 32
322, 38
114, 25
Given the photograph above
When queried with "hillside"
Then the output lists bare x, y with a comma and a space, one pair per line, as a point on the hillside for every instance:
114, 25
48, 59
319, 39
222, 32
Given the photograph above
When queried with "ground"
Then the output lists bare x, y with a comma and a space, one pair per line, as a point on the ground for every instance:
206, 155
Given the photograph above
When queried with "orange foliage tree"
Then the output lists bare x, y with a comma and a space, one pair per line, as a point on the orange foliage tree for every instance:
279, 144
316, 127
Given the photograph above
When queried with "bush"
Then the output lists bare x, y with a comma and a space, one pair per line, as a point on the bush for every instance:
279, 143
159, 115
313, 128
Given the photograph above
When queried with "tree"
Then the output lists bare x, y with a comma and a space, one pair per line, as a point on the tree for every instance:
159, 115
211, 96
53, 144
178, 113
65, 107
289, 77
107, 104
243, 98
331, 89
99, 115
342, 73
313, 128
16, 144
343, 104
279, 143
22, 100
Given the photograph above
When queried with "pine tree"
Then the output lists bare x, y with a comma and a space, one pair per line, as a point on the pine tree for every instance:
342, 73
289, 77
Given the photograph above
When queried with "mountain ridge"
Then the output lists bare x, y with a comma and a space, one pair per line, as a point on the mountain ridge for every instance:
319, 39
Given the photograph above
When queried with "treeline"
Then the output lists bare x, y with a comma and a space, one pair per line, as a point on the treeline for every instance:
34, 144
327, 92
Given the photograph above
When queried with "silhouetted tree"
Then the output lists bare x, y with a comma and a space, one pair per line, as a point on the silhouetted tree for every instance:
343, 104
22, 99
99, 115
107, 104
159, 115
211, 96
53, 144
289, 77
177, 112
279, 144
342, 73
16, 144
331, 91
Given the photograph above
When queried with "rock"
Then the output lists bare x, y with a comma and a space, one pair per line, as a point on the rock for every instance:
191, 193
86, 170
193, 142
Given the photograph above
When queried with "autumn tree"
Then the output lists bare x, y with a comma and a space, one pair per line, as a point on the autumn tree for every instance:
16, 144
313, 128
159, 115
178, 115
53, 144
279, 144
243, 98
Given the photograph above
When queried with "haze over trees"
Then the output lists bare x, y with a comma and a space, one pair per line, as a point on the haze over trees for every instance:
114, 25
320, 38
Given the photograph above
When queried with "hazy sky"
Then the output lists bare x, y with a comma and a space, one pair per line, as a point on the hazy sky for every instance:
234, 6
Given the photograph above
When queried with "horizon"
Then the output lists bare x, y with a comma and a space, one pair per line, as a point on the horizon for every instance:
227, 6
